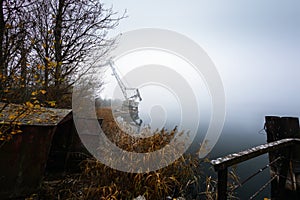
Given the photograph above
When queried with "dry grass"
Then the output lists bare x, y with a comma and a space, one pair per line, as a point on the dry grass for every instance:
183, 178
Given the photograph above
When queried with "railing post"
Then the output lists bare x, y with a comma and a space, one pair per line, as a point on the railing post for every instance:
272, 126
222, 184
279, 128
283, 172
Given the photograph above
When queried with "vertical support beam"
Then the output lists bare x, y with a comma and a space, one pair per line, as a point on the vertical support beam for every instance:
222, 184
272, 126
280, 128
286, 153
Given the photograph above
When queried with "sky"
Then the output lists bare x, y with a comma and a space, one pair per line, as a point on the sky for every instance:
255, 46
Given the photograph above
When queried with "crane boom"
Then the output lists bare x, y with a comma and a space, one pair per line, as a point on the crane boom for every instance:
121, 84
131, 102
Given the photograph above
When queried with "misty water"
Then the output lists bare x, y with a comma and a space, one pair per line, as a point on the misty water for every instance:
235, 138
238, 134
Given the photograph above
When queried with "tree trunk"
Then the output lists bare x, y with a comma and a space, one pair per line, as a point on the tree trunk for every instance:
58, 43
2, 29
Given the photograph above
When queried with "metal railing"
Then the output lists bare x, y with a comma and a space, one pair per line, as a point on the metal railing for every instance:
222, 164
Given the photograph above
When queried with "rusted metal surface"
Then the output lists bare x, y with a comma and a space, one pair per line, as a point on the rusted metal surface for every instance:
23, 159
235, 158
67, 150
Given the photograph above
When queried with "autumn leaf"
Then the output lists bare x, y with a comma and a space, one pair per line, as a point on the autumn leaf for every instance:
34, 93
29, 104
51, 103
11, 117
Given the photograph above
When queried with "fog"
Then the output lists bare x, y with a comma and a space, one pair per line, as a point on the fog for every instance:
255, 46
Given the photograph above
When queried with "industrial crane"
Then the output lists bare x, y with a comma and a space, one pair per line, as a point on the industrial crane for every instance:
132, 98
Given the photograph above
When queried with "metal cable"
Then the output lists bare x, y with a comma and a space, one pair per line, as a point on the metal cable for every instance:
262, 188
256, 173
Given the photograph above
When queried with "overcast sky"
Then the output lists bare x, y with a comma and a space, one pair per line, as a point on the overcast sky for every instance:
255, 46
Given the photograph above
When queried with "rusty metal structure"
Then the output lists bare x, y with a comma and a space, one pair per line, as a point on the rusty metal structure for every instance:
48, 143
23, 158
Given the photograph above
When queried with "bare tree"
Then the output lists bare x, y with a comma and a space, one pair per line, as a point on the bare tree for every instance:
47, 44
13, 46
65, 36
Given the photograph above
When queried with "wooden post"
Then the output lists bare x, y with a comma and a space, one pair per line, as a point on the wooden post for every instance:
222, 184
280, 128
283, 171
272, 126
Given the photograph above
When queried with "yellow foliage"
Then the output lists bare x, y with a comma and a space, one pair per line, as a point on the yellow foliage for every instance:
51, 103
34, 93
11, 117
29, 104
43, 91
